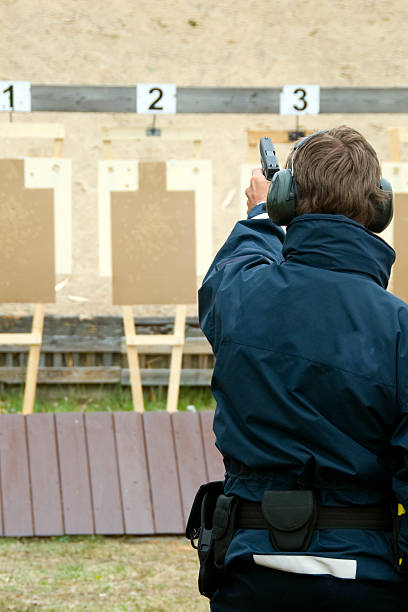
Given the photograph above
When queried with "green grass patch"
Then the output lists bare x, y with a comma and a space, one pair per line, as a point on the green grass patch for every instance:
87, 573
102, 398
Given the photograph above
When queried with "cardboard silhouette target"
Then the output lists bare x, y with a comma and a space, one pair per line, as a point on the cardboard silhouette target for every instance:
154, 229
159, 268
34, 206
27, 237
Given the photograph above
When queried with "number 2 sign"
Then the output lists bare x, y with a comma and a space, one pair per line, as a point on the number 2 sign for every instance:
156, 98
300, 100
15, 96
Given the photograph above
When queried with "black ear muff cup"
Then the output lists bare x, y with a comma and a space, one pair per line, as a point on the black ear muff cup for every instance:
385, 211
281, 200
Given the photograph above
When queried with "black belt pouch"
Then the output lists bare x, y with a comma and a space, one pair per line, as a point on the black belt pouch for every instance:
291, 518
200, 525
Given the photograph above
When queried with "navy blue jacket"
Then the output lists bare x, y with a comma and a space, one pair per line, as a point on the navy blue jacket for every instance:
311, 375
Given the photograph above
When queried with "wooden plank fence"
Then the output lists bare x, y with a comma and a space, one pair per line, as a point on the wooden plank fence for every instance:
93, 351
103, 473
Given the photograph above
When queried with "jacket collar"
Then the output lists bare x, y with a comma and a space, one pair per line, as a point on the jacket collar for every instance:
335, 242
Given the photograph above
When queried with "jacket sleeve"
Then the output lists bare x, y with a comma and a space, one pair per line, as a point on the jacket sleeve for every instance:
253, 243
399, 442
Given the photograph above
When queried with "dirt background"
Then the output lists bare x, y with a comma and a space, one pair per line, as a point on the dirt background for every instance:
191, 43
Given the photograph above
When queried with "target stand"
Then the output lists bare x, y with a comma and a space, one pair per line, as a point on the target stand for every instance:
152, 184
34, 339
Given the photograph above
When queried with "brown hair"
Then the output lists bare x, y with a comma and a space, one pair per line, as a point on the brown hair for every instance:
338, 172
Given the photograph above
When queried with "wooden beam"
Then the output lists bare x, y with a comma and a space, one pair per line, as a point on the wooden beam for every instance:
108, 375
118, 99
139, 134
78, 344
32, 130
277, 136
153, 340
19, 339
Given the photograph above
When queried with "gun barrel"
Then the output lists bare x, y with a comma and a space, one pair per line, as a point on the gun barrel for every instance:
270, 164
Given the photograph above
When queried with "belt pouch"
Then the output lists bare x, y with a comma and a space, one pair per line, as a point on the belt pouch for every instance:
210, 490
200, 524
223, 527
291, 517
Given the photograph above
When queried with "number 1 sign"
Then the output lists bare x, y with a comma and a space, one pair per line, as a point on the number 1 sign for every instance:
300, 100
156, 98
15, 96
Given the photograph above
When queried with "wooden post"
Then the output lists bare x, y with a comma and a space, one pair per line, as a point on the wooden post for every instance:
58, 144
395, 144
33, 359
176, 360
133, 359
107, 149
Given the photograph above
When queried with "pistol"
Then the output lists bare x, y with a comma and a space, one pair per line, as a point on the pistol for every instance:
270, 164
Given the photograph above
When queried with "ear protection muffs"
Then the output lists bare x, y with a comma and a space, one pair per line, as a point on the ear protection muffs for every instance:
282, 196
385, 211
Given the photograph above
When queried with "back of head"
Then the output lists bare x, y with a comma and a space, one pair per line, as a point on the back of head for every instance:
338, 172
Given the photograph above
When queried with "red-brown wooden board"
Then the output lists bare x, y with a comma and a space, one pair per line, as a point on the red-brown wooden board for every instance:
45, 485
213, 457
104, 473
15, 480
163, 473
75, 481
118, 473
133, 472
190, 457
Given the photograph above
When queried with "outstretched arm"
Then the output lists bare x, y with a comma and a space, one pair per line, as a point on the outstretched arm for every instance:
252, 243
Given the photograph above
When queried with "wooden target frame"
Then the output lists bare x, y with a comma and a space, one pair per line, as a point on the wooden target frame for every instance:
55, 132
396, 171
136, 341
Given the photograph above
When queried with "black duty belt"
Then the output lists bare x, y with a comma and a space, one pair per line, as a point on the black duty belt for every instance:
249, 516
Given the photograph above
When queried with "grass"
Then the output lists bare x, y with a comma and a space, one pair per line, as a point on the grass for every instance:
87, 573
102, 399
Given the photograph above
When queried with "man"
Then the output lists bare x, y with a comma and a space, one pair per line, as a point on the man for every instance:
312, 392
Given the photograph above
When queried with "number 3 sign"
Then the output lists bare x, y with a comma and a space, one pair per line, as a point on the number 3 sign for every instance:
156, 98
300, 100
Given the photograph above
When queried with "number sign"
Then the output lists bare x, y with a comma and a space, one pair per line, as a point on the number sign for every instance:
156, 98
300, 100
15, 96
